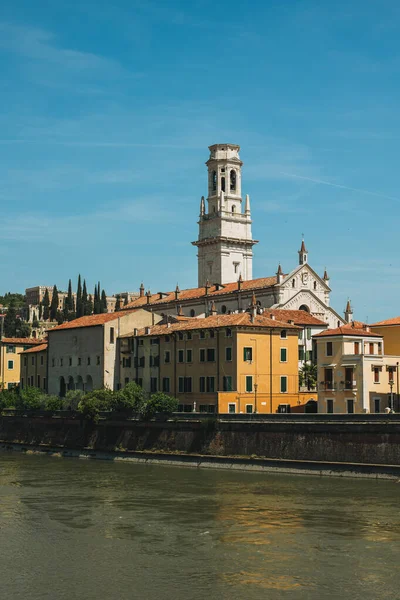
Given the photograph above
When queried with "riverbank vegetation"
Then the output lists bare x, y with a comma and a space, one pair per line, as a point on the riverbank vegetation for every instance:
131, 399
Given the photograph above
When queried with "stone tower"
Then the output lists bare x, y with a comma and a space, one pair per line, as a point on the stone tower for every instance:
225, 244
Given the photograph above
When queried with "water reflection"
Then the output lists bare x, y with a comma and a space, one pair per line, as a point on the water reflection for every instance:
127, 531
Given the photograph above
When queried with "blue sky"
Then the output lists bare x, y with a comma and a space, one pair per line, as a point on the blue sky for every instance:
107, 110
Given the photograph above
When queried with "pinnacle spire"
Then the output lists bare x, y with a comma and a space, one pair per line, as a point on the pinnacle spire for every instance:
247, 205
279, 271
202, 207
326, 276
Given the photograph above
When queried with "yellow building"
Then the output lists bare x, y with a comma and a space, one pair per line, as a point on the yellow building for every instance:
390, 331
34, 367
354, 373
10, 349
235, 363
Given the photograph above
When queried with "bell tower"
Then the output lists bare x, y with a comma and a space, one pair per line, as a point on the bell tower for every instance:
225, 244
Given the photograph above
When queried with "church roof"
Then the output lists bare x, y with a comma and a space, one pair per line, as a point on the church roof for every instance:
393, 321
200, 292
299, 317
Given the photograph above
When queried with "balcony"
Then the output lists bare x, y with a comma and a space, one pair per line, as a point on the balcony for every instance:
326, 386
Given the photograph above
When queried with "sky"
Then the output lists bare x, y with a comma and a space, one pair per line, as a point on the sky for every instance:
107, 109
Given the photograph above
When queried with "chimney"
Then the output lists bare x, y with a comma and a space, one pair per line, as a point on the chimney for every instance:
253, 307
180, 312
148, 296
177, 292
168, 324
141, 290
213, 311
207, 286
272, 317
135, 331
147, 330
240, 281
291, 322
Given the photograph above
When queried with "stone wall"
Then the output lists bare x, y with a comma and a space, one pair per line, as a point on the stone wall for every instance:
367, 443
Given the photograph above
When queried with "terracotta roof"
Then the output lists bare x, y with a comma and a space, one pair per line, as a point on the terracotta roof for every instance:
39, 348
91, 320
394, 321
299, 317
21, 341
193, 293
348, 330
214, 322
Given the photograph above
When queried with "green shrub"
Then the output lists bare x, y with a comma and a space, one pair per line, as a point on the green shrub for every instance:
158, 403
72, 399
8, 399
52, 403
31, 398
92, 403
130, 398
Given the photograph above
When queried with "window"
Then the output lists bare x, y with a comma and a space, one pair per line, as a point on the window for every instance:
329, 379
376, 374
180, 356
300, 335
283, 384
329, 406
391, 371
97, 360
356, 347
189, 335
249, 409
184, 385
111, 335
214, 180
211, 333
231, 408
283, 354
165, 384
377, 405
10, 364
301, 352
141, 342
247, 354
309, 333
293, 283
223, 184
379, 347
79, 362
348, 378
88, 361
192, 313
315, 285
127, 362
202, 384
329, 348
167, 357
126, 380
283, 334
210, 384
228, 332
249, 383
350, 406
61, 362
202, 334
180, 335
189, 356
202, 355
153, 384
371, 348
227, 383
203, 408
228, 353
233, 180
223, 309
11, 349
154, 341
25, 361
53, 362
210, 354
139, 381
167, 339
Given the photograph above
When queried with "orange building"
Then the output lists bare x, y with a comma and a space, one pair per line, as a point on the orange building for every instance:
238, 363
10, 349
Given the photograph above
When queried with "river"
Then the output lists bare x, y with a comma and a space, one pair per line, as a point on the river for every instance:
92, 530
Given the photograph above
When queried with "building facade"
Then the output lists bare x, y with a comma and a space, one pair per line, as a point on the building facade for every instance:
222, 363
354, 373
10, 364
34, 367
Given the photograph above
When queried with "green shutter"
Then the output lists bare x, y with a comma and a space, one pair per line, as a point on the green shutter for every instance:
283, 384
249, 383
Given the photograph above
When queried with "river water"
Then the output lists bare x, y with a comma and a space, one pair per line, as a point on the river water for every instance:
83, 530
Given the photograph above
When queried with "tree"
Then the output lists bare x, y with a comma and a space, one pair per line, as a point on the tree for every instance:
131, 398
158, 403
96, 302
54, 304
84, 298
69, 301
60, 317
22, 328
10, 320
126, 301
46, 304
89, 305
35, 322
103, 302
308, 375
79, 307
117, 303
40, 311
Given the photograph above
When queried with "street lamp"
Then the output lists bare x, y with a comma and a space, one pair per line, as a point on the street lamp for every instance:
391, 384
255, 397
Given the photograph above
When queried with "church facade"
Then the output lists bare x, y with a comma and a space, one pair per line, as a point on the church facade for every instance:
225, 256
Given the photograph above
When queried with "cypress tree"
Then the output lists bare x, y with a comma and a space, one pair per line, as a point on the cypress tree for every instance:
118, 304
84, 298
89, 305
69, 300
96, 303
126, 301
46, 304
54, 304
79, 307
103, 302
10, 320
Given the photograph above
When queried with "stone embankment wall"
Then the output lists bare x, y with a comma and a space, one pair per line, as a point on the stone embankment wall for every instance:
365, 442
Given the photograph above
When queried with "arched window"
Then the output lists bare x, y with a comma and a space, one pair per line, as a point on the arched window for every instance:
233, 209
304, 307
223, 184
233, 180
192, 312
293, 283
214, 180
223, 309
